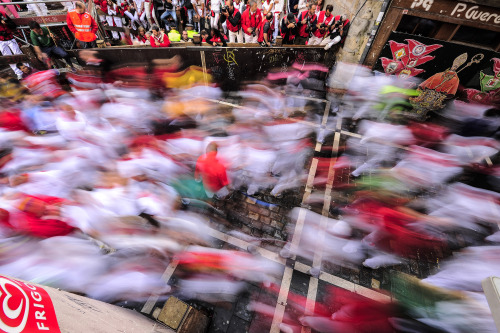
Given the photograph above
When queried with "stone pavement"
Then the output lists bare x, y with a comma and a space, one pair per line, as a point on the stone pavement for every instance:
267, 217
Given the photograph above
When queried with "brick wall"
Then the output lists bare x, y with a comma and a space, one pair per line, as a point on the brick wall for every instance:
260, 216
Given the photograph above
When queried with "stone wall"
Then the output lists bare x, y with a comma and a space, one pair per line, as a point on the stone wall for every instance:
360, 27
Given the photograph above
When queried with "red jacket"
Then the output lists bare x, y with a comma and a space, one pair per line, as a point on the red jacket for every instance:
164, 43
250, 21
269, 31
230, 26
302, 27
323, 19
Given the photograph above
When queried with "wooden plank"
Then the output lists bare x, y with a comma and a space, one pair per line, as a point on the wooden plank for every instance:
470, 14
40, 19
389, 24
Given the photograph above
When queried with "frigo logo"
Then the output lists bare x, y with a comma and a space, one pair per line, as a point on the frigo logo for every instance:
14, 307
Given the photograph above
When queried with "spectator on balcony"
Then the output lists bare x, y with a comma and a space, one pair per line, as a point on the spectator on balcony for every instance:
158, 38
142, 37
170, 7
306, 24
27, 71
173, 34
185, 37
8, 46
83, 26
45, 48
325, 20
266, 29
288, 29
233, 23
338, 32
250, 21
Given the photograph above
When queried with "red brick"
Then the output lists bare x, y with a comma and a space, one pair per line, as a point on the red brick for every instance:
266, 220
253, 208
264, 211
253, 216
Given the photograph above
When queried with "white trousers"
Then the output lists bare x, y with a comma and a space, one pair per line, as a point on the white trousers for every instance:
214, 20
147, 9
10, 47
331, 42
250, 38
39, 8
111, 23
69, 5
236, 37
277, 22
119, 24
313, 40
134, 19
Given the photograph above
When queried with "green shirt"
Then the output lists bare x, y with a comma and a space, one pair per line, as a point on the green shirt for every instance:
41, 40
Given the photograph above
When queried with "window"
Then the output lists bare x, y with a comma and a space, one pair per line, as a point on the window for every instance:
418, 26
477, 36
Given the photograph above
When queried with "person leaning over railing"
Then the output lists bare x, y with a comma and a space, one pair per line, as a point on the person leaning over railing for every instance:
83, 26
288, 29
159, 38
45, 47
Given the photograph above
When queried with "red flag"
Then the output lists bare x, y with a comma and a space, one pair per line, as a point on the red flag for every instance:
409, 72
399, 50
418, 49
412, 63
391, 66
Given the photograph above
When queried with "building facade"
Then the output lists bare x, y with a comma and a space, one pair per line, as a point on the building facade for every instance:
452, 46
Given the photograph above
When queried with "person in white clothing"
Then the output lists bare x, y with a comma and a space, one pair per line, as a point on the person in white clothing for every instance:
146, 7
110, 18
134, 18
214, 18
267, 6
278, 9
40, 9
302, 5
139, 5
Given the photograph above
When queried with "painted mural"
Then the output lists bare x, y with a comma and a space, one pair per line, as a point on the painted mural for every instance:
446, 70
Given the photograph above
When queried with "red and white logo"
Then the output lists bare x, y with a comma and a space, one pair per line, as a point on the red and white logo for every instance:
25, 308
14, 306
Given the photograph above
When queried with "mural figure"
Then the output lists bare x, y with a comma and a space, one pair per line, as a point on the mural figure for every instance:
489, 85
440, 87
